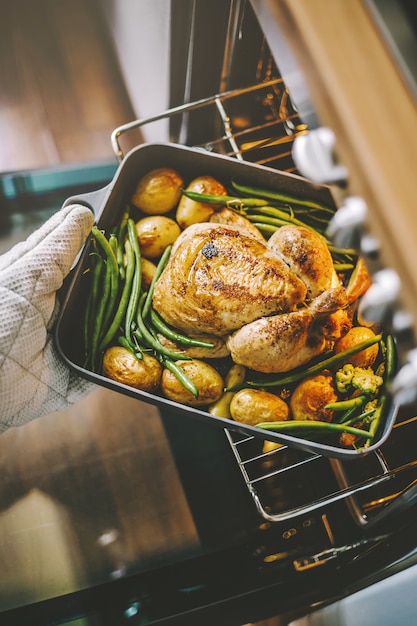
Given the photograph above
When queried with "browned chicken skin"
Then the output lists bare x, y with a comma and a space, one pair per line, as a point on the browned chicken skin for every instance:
307, 254
218, 279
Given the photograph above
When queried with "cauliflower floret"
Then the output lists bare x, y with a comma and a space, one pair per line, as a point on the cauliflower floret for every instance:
362, 378
365, 379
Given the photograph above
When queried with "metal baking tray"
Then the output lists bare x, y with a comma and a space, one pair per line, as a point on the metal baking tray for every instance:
109, 204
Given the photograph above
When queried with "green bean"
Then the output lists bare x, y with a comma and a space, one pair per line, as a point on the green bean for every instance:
180, 375
137, 347
345, 405
100, 237
168, 332
110, 258
347, 416
266, 229
312, 426
121, 233
277, 222
113, 243
390, 358
109, 294
159, 269
341, 268
343, 251
122, 341
99, 318
326, 363
362, 417
150, 340
390, 368
136, 281
280, 197
114, 285
229, 201
274, 213
124, 299
93, 300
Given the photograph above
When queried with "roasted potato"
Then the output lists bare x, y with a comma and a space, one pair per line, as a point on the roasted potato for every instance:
155, 234
192, 212
253, 406
148, 273
121, 365
311, 396
158, 192
357, 334
207, 380
235, 376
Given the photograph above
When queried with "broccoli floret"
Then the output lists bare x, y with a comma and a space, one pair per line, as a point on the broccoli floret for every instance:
362, 378
343, 378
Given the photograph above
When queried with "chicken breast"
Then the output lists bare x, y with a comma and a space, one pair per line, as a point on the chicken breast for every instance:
218, 279
307, 254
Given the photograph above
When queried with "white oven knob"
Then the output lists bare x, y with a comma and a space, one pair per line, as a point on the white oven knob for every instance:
380, 301
345, 228
313, 154
404, 385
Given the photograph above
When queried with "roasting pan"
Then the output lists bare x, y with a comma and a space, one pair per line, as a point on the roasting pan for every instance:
108, 205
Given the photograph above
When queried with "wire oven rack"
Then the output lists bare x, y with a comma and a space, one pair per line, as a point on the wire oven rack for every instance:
259, 124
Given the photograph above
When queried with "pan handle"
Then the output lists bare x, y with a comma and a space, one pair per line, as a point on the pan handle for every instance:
94, 200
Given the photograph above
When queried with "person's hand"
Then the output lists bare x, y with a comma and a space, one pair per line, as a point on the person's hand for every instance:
34, 380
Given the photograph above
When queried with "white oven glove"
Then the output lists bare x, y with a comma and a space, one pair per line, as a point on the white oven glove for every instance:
34, 380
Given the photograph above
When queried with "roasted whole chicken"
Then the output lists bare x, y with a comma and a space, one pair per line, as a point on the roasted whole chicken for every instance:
279, 302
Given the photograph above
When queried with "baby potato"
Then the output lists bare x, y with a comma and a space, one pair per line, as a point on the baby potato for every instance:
158, 192
148, 272
357, 334
192, 212
310, 397
155, 233
253, 406
207, 380
121, 365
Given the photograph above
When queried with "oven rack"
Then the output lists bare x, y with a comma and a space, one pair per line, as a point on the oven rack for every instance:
379, 468
257, 123
238, 130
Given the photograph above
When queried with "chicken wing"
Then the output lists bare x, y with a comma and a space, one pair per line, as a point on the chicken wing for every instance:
307, 254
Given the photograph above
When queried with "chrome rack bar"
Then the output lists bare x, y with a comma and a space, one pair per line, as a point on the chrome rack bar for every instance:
219, 101
346, 490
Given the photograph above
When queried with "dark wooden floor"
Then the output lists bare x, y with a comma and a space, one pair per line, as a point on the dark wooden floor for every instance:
61, 93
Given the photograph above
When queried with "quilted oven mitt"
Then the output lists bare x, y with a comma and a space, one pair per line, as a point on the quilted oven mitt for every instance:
34, 380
